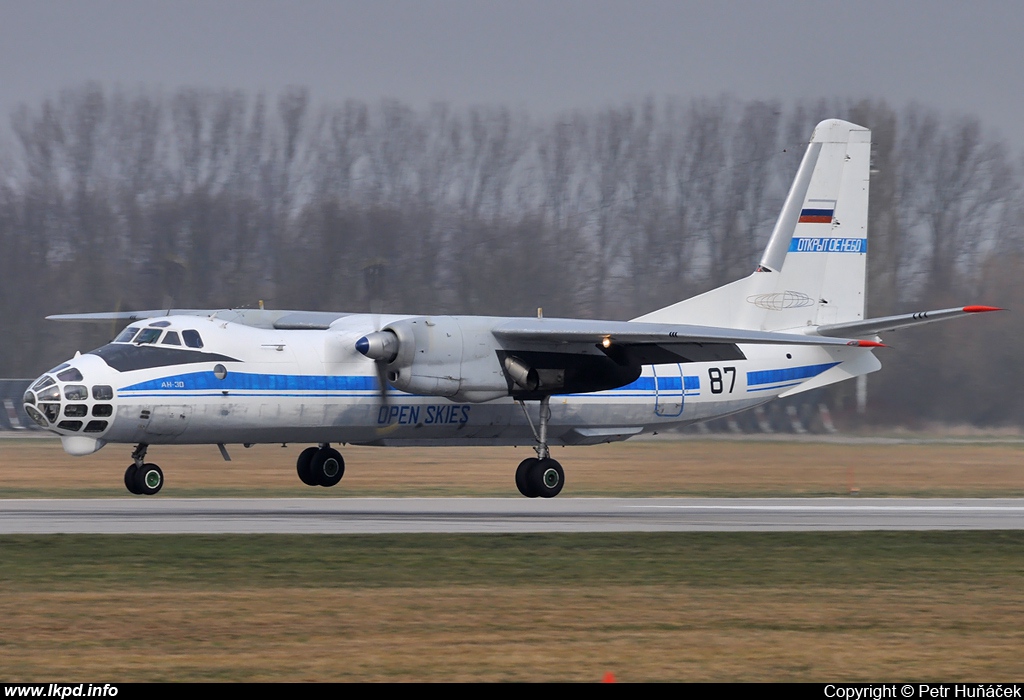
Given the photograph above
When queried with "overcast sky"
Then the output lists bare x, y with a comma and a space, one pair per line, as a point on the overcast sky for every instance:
543, 55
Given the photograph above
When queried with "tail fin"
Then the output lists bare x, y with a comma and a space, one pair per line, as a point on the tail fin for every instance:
812, 272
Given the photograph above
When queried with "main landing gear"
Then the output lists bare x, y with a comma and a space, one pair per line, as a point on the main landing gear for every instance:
141, 478
541, 475
320, 466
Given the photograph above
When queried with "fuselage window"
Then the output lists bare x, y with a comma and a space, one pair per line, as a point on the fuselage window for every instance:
148, 335
192, 339
170, 338
126, 335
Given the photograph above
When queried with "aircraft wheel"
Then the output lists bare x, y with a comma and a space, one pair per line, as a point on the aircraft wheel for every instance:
327, 466
546, 478
523, 477
129, 479
304, 466
149, 479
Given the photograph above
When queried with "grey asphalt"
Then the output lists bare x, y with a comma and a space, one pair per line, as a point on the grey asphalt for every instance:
494, 515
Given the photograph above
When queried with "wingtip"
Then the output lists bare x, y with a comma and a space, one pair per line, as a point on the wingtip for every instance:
981, 309
867, 344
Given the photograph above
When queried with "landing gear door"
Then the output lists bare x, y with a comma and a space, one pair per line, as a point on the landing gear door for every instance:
668, 390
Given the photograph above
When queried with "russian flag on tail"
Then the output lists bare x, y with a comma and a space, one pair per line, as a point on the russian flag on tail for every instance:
816, 216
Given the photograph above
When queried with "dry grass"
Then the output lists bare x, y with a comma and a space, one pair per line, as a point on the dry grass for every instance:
528, 633
656, 468
682, 607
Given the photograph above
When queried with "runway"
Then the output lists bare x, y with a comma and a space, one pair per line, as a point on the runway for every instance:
501, 515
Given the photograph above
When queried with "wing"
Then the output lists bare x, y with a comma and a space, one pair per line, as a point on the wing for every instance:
129, 316
636, 343
279, 319
873, 326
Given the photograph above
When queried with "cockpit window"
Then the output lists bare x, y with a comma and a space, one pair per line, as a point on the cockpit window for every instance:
192, 339
70, 375
170, 338
126, 335
51, 394
102, 392
160, 324
148, 335
75, 392
43, 383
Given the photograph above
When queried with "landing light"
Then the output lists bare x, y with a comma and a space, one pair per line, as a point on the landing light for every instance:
606, 342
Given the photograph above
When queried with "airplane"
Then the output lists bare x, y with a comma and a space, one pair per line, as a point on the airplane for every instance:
229, 376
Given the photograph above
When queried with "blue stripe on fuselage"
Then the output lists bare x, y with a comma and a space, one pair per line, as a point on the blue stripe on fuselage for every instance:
245, 381
242, 381
664, 384
776, 376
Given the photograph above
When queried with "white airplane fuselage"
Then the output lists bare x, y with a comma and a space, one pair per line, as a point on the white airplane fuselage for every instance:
258, 385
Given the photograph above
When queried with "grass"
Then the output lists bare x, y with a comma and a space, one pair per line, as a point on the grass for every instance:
673, 606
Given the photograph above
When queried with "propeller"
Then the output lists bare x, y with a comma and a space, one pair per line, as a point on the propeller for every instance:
382, 348
375, 346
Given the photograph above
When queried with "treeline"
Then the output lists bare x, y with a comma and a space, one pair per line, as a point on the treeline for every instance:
198, 198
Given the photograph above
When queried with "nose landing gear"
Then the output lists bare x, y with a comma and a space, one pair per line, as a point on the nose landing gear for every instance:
141, 478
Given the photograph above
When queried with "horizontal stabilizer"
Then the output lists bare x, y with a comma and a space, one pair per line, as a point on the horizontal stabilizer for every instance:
872, 326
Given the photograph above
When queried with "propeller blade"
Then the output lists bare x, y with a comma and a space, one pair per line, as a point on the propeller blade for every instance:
382, 380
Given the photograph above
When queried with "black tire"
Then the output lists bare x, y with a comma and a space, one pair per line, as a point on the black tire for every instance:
327, 466
149, 479
129, 479
523, 477
546, 478
303, 466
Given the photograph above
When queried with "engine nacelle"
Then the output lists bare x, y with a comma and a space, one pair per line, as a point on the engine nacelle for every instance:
440, 356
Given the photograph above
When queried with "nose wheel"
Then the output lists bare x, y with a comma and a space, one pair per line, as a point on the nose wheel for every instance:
142, 478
